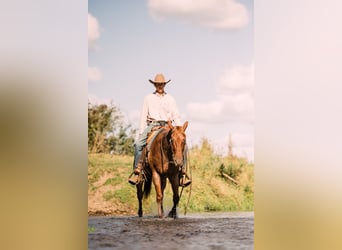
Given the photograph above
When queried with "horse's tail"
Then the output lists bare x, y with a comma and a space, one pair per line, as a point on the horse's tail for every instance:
147, 183
147, 187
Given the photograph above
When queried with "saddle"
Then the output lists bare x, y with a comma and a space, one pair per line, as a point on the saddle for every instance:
150, 138
152, 135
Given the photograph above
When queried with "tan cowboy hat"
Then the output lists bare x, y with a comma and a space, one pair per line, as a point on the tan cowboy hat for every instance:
159, 78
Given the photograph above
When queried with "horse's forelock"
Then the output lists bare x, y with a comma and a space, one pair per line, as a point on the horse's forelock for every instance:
178, 132
179, 129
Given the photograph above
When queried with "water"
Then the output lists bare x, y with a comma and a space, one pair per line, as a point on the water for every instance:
193, 231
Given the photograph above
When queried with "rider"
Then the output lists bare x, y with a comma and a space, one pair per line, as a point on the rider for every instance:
158, 108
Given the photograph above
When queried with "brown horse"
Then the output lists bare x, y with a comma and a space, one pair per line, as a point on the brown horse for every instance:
164, 161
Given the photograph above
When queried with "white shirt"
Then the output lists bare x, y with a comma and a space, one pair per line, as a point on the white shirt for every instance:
159, 107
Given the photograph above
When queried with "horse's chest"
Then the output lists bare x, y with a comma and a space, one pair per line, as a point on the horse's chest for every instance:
164, 168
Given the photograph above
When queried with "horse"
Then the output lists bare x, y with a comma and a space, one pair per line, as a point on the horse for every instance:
164, 161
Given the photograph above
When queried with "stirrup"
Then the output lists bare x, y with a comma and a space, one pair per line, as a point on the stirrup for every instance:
184, 182
135, 179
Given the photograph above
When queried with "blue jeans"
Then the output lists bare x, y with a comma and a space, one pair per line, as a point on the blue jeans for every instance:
140, 144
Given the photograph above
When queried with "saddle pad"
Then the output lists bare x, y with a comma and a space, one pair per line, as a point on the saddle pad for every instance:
151, 137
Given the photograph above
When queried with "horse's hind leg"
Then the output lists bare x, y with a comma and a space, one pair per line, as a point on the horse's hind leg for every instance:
140, 196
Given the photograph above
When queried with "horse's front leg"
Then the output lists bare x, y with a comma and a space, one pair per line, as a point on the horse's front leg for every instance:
159, 193
175, 185
163, 185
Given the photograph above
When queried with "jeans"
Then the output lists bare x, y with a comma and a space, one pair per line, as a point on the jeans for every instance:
140, 144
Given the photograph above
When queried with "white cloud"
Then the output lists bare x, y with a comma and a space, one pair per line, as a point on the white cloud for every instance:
231, 112
94, 74
93, 31
239, 107
234, 100
205, 111
217, 14
236, 79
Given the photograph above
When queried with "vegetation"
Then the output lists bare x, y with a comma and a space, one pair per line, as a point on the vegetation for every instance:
107, 131
210, 191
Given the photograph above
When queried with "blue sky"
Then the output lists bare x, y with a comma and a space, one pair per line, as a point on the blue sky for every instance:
205, 47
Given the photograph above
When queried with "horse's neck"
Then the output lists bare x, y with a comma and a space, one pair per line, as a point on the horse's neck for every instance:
165, 140
164, 143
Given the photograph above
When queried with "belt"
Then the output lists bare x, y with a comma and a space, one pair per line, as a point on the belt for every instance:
155, 122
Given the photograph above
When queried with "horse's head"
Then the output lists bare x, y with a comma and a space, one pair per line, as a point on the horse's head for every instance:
177, 142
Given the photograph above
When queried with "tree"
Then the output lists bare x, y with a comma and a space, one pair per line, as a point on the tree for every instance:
230, 146
107, 131
206, 146
122, 143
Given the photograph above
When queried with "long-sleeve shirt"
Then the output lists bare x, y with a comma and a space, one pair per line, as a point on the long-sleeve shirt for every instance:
159, 107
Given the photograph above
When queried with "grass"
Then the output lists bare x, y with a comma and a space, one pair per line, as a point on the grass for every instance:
209, 192
91, 229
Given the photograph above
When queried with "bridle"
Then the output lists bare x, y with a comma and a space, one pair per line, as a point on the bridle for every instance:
172, 148
170, 145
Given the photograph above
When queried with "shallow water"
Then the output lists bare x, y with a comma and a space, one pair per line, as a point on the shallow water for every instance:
193, 231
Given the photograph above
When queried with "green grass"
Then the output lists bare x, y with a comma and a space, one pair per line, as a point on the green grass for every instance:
209, 192
91, 229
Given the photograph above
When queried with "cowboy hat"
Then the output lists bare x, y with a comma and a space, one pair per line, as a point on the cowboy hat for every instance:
159, 78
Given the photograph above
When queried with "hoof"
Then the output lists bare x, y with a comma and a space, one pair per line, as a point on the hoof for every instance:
173, 214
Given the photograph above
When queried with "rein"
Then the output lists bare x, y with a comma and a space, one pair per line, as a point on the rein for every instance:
170, 145
188, 166
169, 141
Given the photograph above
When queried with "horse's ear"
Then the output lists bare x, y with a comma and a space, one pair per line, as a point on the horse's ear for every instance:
169, 123
185, 125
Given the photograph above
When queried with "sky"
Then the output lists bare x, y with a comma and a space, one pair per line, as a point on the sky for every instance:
205, 47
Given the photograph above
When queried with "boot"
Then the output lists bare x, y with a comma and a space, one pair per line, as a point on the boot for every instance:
134, 179
137, 170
